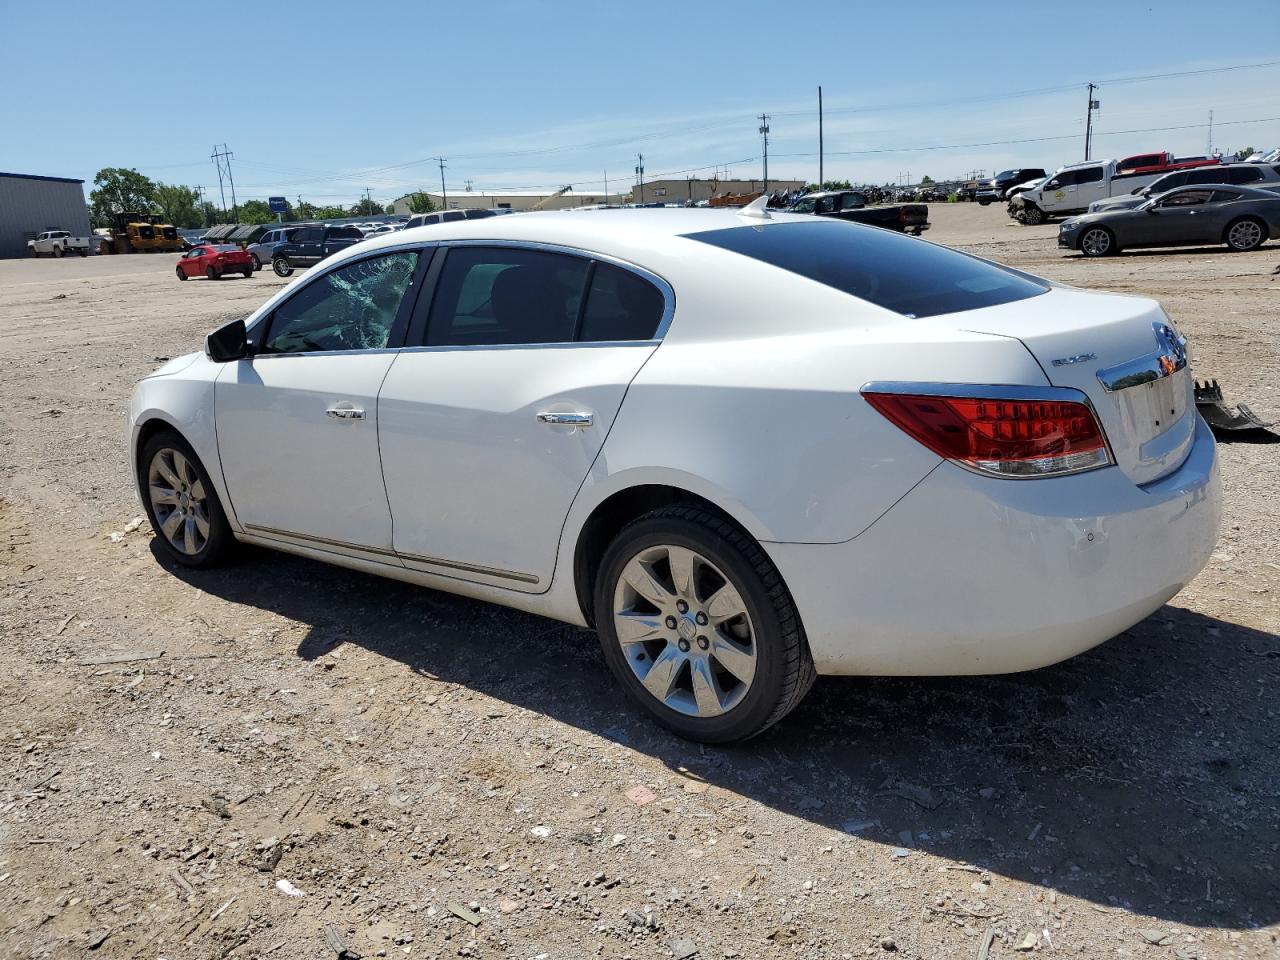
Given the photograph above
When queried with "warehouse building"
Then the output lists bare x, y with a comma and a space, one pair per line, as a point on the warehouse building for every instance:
511, 200
31, 204
691, 190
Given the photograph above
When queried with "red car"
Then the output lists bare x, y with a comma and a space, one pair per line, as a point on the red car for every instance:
214, 260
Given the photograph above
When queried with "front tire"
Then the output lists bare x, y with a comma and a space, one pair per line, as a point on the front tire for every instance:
257, 264
180, 272
57, 252
1032, 215
190, 525
985, 202
1245, 235
1098, 242
281, 266
698, 627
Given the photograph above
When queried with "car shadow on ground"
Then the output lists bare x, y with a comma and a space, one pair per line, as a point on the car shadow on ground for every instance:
1141, 774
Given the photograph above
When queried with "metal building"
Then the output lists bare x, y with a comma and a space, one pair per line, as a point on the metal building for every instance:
31, 204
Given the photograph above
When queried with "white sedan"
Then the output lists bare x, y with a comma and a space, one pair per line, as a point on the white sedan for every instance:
748, 448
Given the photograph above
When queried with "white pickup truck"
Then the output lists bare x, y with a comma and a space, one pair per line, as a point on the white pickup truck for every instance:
58, 243
1069, 190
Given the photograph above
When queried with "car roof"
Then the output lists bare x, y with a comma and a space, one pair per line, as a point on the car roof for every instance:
1255, 192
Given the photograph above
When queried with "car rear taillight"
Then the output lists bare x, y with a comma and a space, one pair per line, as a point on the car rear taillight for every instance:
1013, 436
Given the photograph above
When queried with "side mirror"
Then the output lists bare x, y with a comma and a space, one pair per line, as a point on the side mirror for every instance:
1153, 210
229, 342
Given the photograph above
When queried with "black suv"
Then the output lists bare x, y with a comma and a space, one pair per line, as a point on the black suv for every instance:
997, 186
309, 245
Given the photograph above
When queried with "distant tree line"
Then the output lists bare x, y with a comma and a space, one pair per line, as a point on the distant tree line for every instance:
125, 190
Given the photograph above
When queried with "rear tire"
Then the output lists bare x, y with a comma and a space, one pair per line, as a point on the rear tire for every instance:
281, 266
248, 272
212, 274
984, 202
198, 533
1098, 242
1245, 234
724, 675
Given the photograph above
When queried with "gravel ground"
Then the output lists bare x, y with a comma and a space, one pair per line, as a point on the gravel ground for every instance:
322, 761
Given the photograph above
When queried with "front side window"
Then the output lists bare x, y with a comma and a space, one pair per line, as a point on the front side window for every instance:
826, 204
852, 201
351, 308
805, 205
500, 295
1089, 175
893, 271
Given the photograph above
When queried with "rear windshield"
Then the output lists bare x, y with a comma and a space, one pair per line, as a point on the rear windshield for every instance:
897, 272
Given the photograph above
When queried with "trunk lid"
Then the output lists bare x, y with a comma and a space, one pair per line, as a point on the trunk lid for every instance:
1081, 339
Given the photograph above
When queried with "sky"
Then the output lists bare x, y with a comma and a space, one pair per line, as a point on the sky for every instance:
323, 99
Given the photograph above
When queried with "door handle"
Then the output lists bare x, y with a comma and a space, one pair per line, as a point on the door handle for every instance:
345, 413
566, 419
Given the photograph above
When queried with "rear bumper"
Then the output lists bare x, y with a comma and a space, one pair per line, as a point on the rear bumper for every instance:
974, 575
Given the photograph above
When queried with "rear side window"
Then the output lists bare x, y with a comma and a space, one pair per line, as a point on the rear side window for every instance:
454, 215
500, 295
620, 306
900, 273
1243, 175
1222, 196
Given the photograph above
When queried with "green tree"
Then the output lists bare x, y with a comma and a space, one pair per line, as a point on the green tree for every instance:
330, 213
210, 214
366, 208
178, 205
119, 190
306, 211
421, 202
254, 211
926, 180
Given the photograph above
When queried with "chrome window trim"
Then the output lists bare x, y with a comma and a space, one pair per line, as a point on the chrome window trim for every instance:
668, 294
1000, 391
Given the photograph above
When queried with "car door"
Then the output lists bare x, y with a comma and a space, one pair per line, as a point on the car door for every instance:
1178, 217
192, 263
297, 422
490, 427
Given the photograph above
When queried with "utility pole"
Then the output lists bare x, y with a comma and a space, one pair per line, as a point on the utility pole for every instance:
640, 174
1209, 151
444, 195
368, 200
820, 174
1088, 122
468, 186
606, 186
764, 133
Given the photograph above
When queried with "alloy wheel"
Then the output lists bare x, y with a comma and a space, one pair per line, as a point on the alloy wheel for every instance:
685, 631
179, 501
1095, 242
1245, 235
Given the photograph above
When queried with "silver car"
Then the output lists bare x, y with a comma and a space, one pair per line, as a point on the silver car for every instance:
262, 251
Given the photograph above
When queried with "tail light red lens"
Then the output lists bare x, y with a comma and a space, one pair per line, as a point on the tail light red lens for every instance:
1003, 437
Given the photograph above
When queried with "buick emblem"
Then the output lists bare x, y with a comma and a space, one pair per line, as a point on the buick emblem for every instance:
1078, 358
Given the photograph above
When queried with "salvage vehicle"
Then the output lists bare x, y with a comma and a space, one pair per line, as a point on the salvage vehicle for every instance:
851, 205
1261, 175
448, 216
998, 186
214, 261
309, 245
1071, 189
264, 249
1162, 162
58, 243
746, 447
1241, 217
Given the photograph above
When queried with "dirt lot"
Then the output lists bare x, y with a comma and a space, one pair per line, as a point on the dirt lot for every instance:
443, 778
